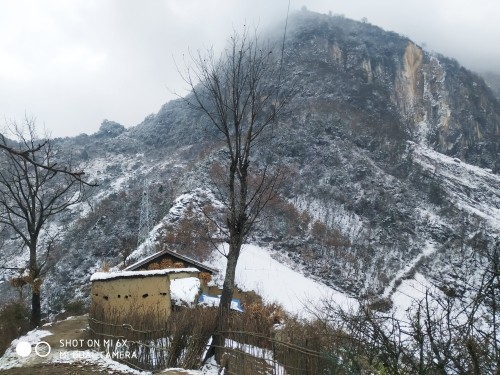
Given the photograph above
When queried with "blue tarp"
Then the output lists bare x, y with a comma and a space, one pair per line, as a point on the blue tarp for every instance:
208, 300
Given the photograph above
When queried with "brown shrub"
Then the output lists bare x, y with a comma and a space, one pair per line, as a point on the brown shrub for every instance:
14, 322
258, 319
105, 266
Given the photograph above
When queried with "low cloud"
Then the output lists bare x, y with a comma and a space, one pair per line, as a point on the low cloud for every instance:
72, 64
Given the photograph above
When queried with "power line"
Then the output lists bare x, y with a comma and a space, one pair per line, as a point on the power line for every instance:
145, 218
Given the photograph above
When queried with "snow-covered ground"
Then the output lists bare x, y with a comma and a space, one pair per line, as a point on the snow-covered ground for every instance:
276, 282
31, 349
409, 293
15, 355
427, 251
473, 189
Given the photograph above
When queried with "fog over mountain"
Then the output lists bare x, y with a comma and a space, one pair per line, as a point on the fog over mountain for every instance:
73, 64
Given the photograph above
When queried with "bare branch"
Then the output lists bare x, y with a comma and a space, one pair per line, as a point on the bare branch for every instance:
239, 95
29, 147
33, 189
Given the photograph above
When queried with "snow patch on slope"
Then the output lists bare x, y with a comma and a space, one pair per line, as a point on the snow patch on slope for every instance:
470, 188
429, 249
408, 293
11, 359
276, 282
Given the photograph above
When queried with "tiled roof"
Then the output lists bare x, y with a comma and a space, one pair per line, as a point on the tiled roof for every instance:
152, 257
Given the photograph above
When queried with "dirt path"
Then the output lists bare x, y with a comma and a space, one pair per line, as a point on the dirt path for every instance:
58, 369
71, 328
68, 338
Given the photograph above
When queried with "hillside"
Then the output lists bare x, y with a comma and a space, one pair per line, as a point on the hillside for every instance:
392, 155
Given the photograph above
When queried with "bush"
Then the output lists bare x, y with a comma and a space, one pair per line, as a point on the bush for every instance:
14, 322
75, 308
436, 194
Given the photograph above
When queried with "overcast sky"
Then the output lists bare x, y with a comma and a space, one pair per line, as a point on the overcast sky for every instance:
72, 63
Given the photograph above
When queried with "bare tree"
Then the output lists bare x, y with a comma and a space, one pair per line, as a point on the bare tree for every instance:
27, 154
444, 331
33, 189
239, 95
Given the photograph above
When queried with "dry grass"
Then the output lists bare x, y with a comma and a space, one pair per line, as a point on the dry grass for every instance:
179, 342
299, 347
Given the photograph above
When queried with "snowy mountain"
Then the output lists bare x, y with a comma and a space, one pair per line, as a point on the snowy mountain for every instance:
393, 161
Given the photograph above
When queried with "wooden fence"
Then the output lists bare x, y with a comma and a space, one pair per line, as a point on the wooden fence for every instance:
244, 353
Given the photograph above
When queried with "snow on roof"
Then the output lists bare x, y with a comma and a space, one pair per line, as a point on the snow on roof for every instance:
126, 274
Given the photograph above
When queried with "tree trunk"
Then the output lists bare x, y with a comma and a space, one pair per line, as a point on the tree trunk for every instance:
231, 94
225, 302
36, 311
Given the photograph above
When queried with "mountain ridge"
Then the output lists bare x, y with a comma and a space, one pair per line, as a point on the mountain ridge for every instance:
370, 139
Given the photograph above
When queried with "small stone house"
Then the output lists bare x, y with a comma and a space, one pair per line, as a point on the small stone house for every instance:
144, 289
167, 258
126, 295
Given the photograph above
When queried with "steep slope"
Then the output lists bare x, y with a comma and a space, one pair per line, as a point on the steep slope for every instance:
365, 99
392, 153
384, 88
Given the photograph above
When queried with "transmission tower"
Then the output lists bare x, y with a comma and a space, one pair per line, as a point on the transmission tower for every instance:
144, 219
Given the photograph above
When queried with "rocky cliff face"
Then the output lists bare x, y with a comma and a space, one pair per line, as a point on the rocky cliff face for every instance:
367, 100
429, 99
393, 156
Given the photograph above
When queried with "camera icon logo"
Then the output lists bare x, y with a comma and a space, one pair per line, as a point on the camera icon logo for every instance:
42, 349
